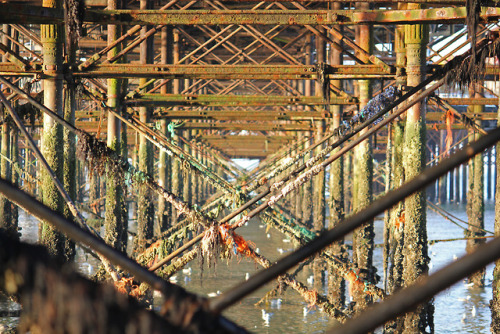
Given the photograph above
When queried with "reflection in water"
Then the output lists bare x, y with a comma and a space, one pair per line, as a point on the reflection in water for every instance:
460, 309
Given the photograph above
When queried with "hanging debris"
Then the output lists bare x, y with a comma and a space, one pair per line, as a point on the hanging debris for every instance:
471, 67
473, 8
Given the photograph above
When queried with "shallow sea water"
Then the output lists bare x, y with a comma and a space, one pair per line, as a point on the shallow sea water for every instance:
459, 309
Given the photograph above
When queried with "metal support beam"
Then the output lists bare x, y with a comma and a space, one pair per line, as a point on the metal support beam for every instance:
241, 115
13, 14
232, 72
284, 17
234, 100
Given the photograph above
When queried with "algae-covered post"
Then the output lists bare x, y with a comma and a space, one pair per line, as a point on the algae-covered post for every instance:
306, 196
14, 157
475, 196
5, 173
415, 232
145, 205
194, 176
336, 201
186, 177
116, 232
495, 286
52, 50
363, 176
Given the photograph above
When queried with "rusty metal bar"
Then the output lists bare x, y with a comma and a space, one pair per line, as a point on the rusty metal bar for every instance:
244, 115
14, 57
279, 17
92, 125
14, 13
30, 34
21, 45
251, 72
248, 126
234, 100
246, 72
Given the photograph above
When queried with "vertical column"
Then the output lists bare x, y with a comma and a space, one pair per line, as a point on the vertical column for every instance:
442, 183
415, 233
5, 173
194, 176
69, 170
319, 180
145, 206
396, 224
336, 201
115, 229
14, 157
5, 168
52, 137
489, 154
318, 193
175, 164
199, 180
475, 196
186, 173
362, 178
394, 229
164, 208
457, 182
495, 302
306, 198
298, 194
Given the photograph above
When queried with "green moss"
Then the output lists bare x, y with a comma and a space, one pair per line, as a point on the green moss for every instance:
115, 231
475, 208
69, 162
52, 150
306, 198
145, 205
415, 232
176, 181
395, 228
163, 220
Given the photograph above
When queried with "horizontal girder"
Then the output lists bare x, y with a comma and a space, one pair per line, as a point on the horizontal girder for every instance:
235, 100
13, 14
245, 72
219, 72
240, 115
92, 126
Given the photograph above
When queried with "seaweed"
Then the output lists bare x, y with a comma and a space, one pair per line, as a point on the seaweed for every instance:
471, 67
